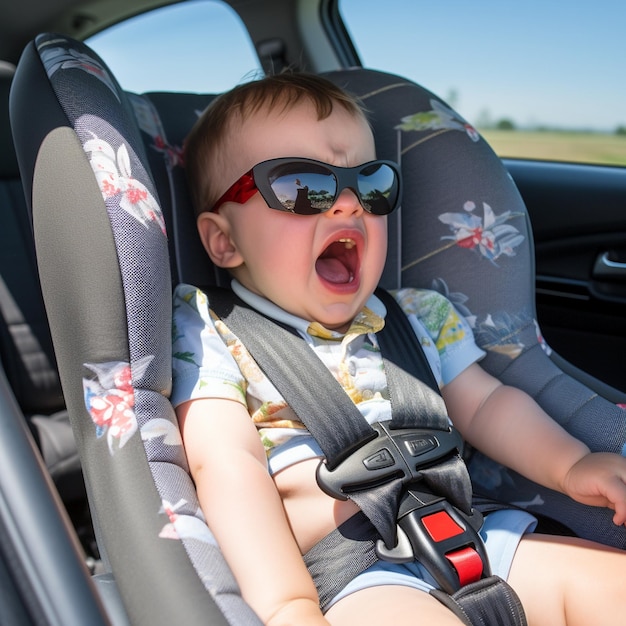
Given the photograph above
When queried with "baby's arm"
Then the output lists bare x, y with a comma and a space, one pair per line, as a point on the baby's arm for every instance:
245, 513
509, 426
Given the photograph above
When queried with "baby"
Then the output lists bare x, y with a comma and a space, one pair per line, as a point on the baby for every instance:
292, 201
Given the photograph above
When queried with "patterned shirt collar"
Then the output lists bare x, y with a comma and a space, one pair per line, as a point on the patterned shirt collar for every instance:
370, 319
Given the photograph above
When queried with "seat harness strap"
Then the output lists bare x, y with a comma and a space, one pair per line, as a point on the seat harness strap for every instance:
406, 475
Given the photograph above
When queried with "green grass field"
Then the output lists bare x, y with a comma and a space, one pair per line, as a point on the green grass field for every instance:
559, 146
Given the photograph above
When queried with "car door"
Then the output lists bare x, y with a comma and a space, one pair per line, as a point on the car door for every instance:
578, 215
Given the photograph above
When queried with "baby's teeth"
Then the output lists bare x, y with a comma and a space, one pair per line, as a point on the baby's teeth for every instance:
349, 243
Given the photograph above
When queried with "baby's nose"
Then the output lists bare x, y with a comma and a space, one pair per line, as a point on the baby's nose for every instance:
346, 203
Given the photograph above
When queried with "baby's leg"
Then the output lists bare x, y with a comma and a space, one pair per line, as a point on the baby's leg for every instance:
561, 580
391, 604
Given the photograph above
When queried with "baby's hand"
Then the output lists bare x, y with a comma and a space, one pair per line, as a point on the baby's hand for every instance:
599, 479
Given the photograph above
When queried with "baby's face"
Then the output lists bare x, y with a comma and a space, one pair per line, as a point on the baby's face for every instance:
319, 267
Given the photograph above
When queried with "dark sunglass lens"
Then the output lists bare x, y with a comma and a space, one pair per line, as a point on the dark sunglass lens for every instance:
378, 188
303, 188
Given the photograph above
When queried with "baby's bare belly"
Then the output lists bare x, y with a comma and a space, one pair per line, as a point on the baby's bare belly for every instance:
311, 513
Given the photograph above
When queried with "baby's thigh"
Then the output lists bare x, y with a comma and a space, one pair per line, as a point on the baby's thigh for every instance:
563, 580
390, 604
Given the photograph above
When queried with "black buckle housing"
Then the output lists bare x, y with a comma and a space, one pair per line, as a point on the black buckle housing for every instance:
394, 453
401, 454
415, 542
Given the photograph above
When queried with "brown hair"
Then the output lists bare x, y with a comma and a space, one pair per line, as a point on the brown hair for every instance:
212, 129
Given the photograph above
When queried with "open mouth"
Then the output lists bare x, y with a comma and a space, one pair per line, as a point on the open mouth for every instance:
339, 262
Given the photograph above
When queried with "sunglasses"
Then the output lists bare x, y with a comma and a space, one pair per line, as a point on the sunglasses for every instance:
309, 187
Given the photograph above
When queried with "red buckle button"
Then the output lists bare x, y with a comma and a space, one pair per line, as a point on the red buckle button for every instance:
441, 526
467, 563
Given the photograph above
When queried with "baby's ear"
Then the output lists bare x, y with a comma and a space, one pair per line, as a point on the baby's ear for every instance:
214, 230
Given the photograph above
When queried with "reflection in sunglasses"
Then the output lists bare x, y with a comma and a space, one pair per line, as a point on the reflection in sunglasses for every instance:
313, 192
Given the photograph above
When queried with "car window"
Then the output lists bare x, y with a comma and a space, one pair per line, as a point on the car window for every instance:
538, 78
198, 46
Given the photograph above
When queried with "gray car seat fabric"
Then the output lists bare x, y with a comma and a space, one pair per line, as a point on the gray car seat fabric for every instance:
114, 229
26, 352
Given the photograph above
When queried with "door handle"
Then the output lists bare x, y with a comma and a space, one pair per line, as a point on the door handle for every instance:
607, 269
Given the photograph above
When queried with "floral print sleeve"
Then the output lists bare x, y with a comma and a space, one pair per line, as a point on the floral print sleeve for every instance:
202, 365
209, 361
445, 335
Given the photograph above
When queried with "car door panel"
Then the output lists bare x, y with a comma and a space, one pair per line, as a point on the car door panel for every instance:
578, 216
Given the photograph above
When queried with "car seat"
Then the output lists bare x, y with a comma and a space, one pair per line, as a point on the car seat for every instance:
103, 259
113, 225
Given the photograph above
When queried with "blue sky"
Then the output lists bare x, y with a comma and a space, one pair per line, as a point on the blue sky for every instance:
538, 62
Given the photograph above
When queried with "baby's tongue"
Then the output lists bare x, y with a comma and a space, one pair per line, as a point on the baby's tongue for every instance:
332, 270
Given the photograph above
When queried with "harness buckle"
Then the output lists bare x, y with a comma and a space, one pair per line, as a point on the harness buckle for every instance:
429, 528
444, 541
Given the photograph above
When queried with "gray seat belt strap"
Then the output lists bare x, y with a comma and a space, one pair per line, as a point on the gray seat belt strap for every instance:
474, 604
